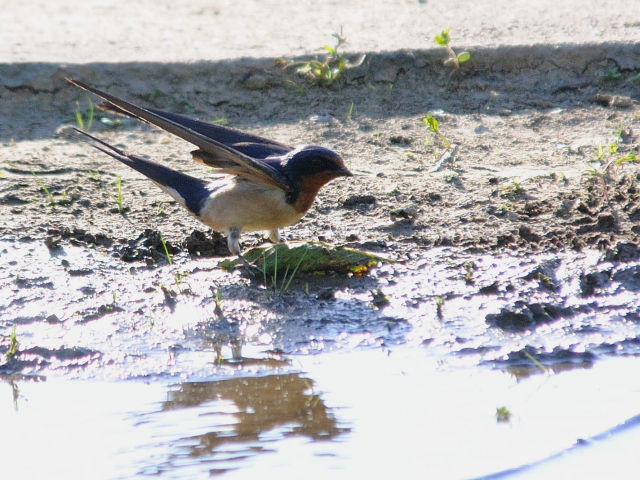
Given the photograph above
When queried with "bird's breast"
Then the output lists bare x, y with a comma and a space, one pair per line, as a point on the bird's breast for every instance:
249, 206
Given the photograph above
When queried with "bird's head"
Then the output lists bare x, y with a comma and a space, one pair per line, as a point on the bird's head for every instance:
311, 166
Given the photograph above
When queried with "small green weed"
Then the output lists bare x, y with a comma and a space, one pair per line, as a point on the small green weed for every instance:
220, 121
218, 303
513, 188
179, 277
110, 307
80, 117
444, 40
297, 86
166, 250
45, 189
155, 94
350, 112
612, 75
180, 281
440, 306
470, 267
451, 177
433, 124
287, 277
95, 176
161, 209
560, 177
14, 345
331, 69
119, 198
608, 161
536, 362
505, 207
503, 415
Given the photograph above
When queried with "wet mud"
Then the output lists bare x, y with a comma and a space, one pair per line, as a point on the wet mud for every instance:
516, 253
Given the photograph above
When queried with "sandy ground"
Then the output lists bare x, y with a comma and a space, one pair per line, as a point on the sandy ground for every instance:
118, 31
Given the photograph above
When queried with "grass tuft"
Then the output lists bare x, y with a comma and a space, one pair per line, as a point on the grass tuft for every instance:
287, 277
45, 189
80, 117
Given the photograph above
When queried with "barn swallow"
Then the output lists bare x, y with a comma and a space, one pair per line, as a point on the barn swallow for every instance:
267, 184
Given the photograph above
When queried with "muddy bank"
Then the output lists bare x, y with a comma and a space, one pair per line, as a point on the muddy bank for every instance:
523, 246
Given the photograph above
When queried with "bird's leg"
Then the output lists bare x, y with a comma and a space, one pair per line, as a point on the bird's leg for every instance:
233, 242
274, 235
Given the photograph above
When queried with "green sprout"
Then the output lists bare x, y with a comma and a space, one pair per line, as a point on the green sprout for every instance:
110, 307
439, 306
166, 250
470, 267
297, 86
13, 344
153, 96
444, 40
335, 64
607, 161
612, 75
451, 177
513, 188
558, 177
45, 189
287, 277
95, 176
503, 415
119, 198
161, 209
505, 207
350, 112
433, 124
218, 302
180, 279
536, 362
90, 116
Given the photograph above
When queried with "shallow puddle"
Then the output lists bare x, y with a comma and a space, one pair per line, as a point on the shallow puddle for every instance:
364, 412
453, 364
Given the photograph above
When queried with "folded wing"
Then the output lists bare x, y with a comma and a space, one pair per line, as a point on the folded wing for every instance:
234, 152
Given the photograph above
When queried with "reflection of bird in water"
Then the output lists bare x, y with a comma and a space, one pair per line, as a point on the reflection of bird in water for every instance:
260, 405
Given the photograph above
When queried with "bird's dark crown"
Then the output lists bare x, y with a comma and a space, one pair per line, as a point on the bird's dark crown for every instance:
309, 160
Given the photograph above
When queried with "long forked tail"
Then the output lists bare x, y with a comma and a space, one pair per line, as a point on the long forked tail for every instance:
189, 191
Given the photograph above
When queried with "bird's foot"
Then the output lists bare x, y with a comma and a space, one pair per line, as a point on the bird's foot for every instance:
251, 270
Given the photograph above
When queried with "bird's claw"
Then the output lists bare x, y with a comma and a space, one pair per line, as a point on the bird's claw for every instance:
251, 269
